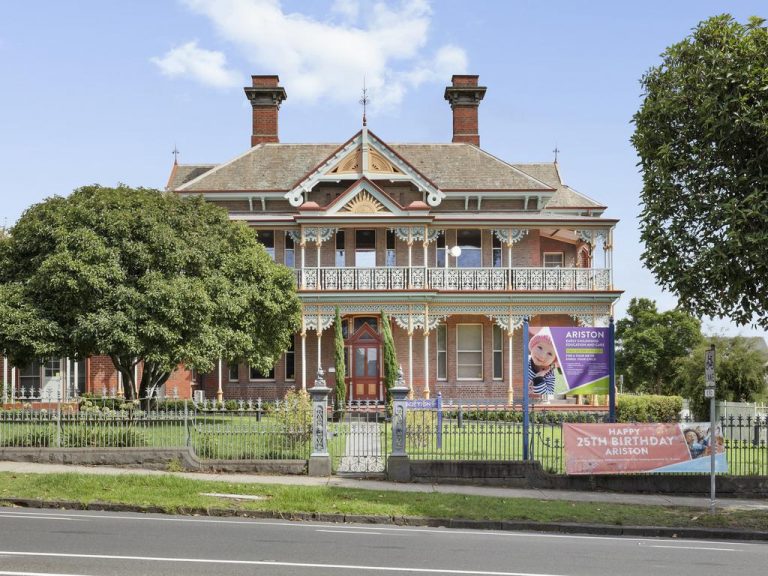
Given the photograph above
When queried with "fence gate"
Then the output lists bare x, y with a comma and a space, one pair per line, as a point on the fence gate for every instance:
359, 441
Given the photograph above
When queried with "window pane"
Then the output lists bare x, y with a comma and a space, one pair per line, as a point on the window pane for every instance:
359, 361
553, 260
234, 373
256, 374
288, 241
373, 363
390, 240
470, 372
442, 366
340, 240
290, 259
497, 364
440, 257
469, 337
267, 238
468, 239
391, 258
365, 259
365, 239
496, 337
497, 257
470, 258
341, 259
290, 362
442, 337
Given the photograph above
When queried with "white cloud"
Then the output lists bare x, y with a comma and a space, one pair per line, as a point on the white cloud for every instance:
206, 66
317, 60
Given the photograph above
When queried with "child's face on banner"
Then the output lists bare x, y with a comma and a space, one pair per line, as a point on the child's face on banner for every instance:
543, 353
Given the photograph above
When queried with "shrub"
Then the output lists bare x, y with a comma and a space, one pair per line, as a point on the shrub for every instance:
294, 413
81, 437
648, 408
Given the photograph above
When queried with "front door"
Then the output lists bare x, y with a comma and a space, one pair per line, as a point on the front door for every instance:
365, 373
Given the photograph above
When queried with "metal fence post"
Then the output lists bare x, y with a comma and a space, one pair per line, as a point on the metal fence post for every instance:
319, 459
398, 465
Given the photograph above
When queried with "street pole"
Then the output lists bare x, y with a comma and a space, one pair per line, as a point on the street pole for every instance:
709, 371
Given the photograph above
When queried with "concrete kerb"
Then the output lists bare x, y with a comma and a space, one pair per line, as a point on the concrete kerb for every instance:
463, 524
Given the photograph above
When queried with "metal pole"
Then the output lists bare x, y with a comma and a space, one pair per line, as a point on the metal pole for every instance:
712, 443
526, 421
612, 371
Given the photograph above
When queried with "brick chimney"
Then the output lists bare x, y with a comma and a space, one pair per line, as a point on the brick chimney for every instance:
265, 97
464, 96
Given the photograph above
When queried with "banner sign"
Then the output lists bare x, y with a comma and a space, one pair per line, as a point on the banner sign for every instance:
574, 360
430, 404
632, 448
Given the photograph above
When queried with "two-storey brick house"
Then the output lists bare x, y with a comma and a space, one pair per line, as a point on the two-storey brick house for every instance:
456, 245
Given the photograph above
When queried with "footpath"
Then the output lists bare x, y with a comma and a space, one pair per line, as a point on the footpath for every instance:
498, 492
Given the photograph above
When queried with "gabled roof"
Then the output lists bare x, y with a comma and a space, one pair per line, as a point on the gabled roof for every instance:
280, 167
364, 197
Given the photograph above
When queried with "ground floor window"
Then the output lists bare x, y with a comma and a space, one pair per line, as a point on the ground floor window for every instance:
442, 352
256, 374
233, 373
290, 362
29, 376
469, 351
498, 357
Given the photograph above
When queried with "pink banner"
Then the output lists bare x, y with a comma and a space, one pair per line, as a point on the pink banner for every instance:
628, 448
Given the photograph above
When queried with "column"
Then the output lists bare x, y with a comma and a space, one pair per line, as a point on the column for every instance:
76, 383
303, 359
5, 378
398, 465
426, 357
219, 390
319, 459
510, 388
410, 355
319, 351
302, 244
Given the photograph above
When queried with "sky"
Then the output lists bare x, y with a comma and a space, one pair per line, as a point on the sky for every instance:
95, 91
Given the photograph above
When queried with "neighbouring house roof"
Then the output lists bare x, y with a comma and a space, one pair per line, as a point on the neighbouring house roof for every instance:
279, 166
565, 196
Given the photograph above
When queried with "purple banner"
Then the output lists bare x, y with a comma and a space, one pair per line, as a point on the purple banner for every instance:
571, 360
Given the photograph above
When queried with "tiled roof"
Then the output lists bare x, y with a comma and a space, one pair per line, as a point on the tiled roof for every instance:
183, 173
565, 196
280, 166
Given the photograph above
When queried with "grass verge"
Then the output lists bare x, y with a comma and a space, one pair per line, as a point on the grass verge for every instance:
177, 495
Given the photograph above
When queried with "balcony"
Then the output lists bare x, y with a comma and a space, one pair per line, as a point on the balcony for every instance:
455, 279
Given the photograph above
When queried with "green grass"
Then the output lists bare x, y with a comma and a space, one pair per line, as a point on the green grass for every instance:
176, 494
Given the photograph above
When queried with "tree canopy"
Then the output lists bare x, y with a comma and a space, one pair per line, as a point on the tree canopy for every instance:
702, 137
739, 373
651, 344
148, 278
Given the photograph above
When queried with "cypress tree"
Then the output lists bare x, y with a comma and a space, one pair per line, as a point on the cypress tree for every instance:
389, 354
339, 399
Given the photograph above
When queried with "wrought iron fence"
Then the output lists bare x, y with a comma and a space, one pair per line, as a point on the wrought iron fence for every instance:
241, 430
359, 440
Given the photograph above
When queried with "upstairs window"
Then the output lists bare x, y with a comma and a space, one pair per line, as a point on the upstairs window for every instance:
341, 254
441, 250
267, 239
365, 248
391, 254
290, 253
553, 259
470, 242
496, 247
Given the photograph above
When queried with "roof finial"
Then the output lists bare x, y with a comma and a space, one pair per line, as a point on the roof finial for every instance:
364, 101
175, 153
556, 151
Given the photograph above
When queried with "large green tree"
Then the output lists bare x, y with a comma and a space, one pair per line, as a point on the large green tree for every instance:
739, 373
650, 345
702, 137
145, 277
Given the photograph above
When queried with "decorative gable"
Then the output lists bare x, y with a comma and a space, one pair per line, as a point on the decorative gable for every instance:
364, 156
364, 198
364, 203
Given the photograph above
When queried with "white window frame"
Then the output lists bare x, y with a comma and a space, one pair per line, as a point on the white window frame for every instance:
292, 352
544, 259
496, 329
444, 351
482, 244
482, 356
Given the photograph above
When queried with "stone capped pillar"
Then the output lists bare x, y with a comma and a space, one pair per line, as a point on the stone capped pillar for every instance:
265, 97
464, 96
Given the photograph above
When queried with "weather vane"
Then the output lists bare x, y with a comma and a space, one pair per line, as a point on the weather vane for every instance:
556, 151
364, 101
175, 154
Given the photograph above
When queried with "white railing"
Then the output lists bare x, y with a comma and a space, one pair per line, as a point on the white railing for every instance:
455, 279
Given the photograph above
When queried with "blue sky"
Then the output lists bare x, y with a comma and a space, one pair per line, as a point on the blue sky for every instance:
102, 91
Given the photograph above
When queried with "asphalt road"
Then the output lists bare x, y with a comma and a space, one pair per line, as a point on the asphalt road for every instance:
102, 544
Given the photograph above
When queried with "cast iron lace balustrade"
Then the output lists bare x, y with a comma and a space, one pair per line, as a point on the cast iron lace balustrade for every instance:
455, 279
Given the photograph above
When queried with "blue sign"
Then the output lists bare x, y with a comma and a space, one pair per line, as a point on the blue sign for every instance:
430, 404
